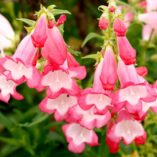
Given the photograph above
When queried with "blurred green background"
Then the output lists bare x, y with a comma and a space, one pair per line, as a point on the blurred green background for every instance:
24, 130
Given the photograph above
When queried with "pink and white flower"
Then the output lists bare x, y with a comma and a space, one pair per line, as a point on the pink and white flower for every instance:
55, 49
78, 136
125, 50
125, 129
88, 118
7, 89
59, 81
39, 35
134, 90
96, 97
109, 70
59, 105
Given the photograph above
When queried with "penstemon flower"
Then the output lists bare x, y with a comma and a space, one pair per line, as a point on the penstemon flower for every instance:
119, 97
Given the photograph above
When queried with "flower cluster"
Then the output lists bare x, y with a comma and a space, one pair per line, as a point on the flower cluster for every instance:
119, 97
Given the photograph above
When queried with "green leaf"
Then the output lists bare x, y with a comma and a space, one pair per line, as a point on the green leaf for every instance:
27, 21
59, 11
51, 7
38, 119
5, 121
74, 52
92, 56
11, 141
91, 36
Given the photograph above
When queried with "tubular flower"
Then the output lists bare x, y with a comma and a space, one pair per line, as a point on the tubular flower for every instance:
39, 35
95, 97
103, 23
20, 65
7, 89
125, 50
59, 105
109, 70
55, 49
59, 81
77, 136
88, 118
125, 129
135, 93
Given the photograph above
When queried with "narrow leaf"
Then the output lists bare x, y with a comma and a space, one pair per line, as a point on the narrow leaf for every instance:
59, 11
92, 56
27, 21
91, 36
36, 121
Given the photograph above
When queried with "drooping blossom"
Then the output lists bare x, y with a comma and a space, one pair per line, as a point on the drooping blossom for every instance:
21, 65
88, 118
109, 70
55, 49
134, 92
125, 49
78, 136
96, 97
74, 69
103, 23
59, 81
7, 89
125, 129
39, 35
59, 105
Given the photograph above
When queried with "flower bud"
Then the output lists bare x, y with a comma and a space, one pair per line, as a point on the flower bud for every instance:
119, 27
39, 35
103, 23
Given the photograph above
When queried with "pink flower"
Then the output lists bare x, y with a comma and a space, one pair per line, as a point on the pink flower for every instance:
112, 9
103, 23
134, 91
126, 129
39, 35
59, 81
126, 51
21, 65
96, 97
142, 71
109, 70
74, 68
61, 20
88, 118
59, 105
128, 75
55, 49
26, 52
77, 136
8, 88
119, 27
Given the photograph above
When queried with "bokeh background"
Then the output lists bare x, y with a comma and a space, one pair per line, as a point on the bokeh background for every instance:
24, 130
